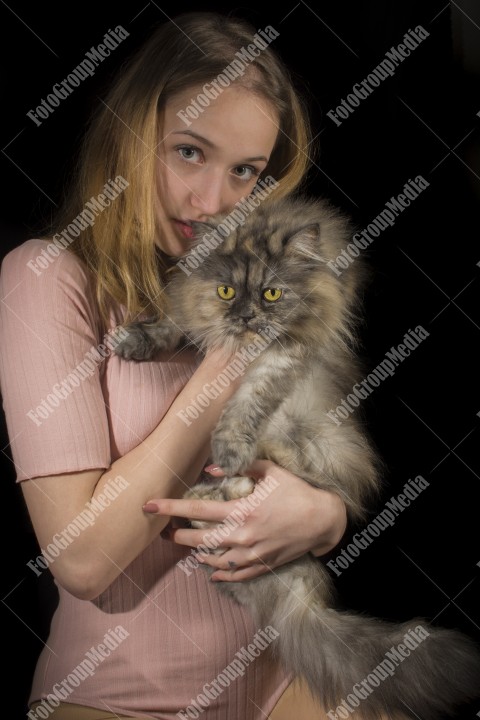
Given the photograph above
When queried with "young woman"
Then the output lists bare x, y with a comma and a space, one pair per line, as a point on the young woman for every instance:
94, 437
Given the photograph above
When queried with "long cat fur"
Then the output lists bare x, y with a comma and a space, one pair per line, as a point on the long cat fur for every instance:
280, 413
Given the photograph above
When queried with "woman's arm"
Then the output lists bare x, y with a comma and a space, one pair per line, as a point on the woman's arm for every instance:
292, 518
165, 464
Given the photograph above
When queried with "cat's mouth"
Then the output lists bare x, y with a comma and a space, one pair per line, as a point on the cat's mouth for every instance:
249, 333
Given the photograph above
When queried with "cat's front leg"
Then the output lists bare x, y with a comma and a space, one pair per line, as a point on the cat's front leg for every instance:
233, 450
235, 438
147, 338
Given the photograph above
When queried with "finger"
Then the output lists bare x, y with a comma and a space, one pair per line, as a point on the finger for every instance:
258, 469
247, 573
214, 470
219, 562
213, 510
194, 538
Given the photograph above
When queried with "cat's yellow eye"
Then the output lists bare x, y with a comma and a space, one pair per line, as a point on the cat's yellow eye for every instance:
272, 294
226, 292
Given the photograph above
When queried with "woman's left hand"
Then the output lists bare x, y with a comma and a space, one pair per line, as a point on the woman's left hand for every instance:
291, 519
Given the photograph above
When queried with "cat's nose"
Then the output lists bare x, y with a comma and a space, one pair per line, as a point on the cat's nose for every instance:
247, 316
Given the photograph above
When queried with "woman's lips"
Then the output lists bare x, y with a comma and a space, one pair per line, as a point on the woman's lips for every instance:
185, 229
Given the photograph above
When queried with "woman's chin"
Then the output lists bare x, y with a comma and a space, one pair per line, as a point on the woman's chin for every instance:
173, 248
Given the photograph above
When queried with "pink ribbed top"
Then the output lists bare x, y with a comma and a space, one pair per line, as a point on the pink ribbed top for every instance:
182, 632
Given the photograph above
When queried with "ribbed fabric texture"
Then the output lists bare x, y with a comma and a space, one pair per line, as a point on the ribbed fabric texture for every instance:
182, 632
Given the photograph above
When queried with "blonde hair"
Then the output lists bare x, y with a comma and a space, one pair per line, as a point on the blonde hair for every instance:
190, 51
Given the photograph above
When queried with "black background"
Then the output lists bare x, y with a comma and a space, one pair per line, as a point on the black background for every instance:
422, 121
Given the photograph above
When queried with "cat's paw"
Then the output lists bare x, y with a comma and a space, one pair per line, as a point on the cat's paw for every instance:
237, 487
206, 491
232, 453
231, 488
144, 340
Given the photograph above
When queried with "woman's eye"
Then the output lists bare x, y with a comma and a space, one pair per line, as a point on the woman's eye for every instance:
189, 153
246, 172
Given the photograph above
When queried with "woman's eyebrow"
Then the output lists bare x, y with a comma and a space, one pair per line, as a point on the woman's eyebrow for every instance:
195, 135
210, 144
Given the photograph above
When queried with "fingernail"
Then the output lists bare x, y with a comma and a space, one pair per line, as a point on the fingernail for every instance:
150, 507
211, 468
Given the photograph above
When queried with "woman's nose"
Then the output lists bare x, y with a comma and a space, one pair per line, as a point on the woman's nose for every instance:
209, 194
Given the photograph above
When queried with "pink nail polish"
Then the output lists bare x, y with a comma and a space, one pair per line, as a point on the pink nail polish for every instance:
211, 468
150, 507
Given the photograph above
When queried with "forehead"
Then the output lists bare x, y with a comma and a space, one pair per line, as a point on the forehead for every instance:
238, 120
245, 264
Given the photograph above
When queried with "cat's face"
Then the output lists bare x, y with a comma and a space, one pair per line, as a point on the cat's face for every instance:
270, 274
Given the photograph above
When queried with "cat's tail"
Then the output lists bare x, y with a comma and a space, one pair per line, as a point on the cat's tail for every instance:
362, 667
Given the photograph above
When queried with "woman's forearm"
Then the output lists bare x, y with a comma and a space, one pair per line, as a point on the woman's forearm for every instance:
165, 464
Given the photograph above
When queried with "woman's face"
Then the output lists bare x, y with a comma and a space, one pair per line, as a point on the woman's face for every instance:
206, 167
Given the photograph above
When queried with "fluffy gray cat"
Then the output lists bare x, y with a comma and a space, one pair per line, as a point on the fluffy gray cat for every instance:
267, 285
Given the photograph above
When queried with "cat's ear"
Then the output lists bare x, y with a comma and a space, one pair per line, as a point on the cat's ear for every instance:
305, 242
